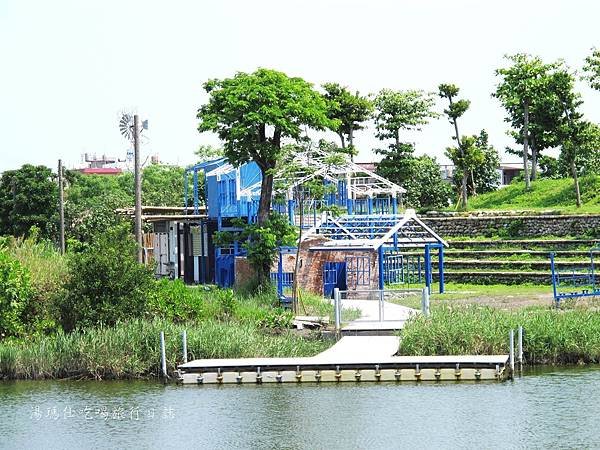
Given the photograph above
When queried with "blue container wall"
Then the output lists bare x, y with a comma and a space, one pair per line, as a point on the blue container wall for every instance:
222, 193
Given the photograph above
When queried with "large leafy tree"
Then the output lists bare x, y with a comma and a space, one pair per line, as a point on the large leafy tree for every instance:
462, 160
162, 185
254, 113
528, 92
29, 197
398, 111
91, 201
420, 176
347, 111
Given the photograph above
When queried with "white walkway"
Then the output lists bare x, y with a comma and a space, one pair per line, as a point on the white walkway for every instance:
394, 316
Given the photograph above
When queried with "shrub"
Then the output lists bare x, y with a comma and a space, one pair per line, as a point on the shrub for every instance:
106, 282
48, 273
175, 301
15, 292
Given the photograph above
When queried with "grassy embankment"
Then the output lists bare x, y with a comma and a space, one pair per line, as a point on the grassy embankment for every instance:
545, 194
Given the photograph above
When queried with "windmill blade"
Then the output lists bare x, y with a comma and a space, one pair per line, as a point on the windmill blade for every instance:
125, 125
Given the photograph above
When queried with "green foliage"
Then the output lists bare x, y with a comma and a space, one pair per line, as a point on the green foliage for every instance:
130, 349
347, 111
241, 109
48, 272
208, 153
106, 284
591, 69
483, 175
551, 336
549, 167
162, 185
91, 201
15, 292
261, 241
401, 110
176, 302
466, 156
413, 173
28, 197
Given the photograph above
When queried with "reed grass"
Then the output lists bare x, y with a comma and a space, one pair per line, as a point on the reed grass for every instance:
132, 349
551, 336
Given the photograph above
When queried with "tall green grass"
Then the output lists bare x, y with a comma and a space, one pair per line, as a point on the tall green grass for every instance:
551, 336
132, 349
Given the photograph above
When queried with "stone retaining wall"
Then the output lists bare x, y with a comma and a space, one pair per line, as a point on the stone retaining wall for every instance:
518, 226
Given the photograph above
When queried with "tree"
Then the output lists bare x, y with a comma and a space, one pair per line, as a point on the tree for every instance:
107, 284
591, 69
162, 185
459, 156
91, 201
484, 177
29, 197
347, 112
397, 111
208, 152
528, 92
420, 176
580, 145
253, 114
467, 157
15, 292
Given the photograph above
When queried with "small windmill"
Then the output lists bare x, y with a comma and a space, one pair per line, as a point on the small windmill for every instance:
130, 129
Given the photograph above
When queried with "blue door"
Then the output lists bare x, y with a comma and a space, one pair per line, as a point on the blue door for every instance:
224, 273
334, 276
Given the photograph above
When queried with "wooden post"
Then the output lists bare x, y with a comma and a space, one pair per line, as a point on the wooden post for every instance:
61, 207
138, 186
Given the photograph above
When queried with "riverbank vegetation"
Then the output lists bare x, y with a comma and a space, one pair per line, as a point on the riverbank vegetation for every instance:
132, 349
96, 313
551, 336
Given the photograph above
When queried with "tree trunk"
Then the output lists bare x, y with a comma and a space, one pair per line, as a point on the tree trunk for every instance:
526, 144
576, 182
266, 192
342, 139
534, 159
463, 191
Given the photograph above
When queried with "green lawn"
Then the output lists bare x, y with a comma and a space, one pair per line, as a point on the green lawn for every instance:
545, 194
495, 295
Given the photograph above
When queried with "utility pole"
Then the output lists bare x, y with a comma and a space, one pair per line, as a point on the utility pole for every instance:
61, 207
138, 186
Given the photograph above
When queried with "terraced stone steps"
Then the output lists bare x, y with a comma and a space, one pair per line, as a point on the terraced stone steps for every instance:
513, 261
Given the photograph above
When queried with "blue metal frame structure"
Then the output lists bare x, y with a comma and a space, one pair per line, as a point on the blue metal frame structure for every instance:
387, 234
579, 283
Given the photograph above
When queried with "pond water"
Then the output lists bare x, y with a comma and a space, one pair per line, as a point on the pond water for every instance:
549, 408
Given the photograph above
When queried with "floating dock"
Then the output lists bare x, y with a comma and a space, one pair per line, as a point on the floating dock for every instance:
352, 359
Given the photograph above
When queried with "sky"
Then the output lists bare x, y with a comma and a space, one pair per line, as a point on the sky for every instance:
70, 68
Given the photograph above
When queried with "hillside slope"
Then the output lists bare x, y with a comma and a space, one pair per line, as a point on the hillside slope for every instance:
545, 194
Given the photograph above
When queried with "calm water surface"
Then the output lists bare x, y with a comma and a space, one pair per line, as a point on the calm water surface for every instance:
552, 408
